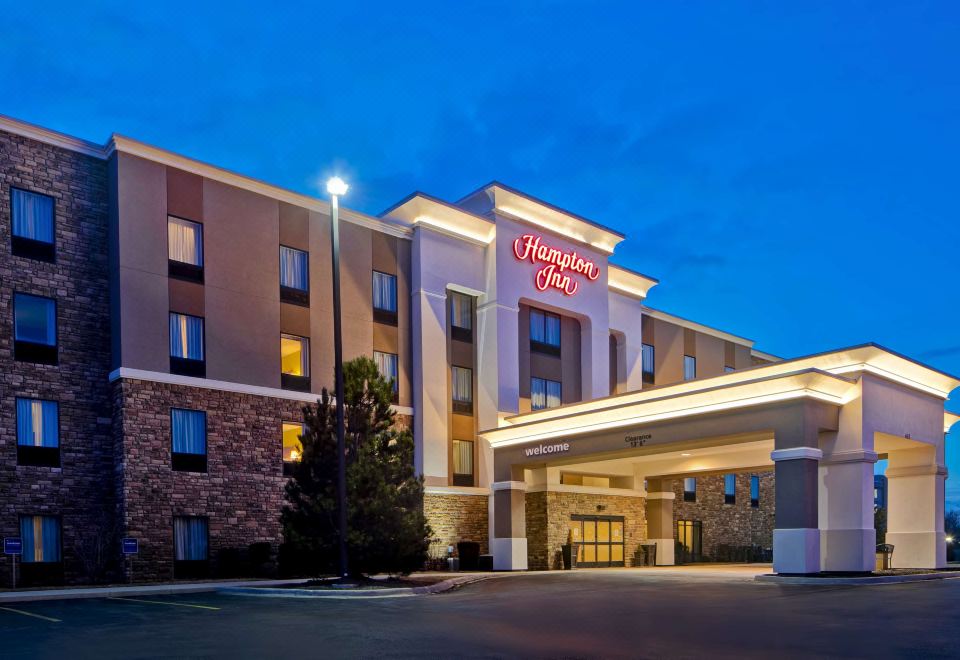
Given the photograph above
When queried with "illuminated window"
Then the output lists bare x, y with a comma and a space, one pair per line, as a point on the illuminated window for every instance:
185, 249
462, 463
461, 314
187, 345
689, 367
729, 489
295, 363
647, 362
387, 365
461, 381
292, 446
690, 489
544, 393
384, 298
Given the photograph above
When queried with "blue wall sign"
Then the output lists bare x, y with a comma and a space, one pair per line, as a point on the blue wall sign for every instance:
12, 546
130, 546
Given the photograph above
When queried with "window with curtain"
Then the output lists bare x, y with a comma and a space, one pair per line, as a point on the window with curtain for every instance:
34, 319
544, 393
689, 367
544, 329
690, 489
729, 489
388, 367
294, 269
38, 423
186, 336
461, 310
294, 355
462, 463
647, 363
384, 292
190, 538
755, 491
461, 382
184, 241
189, 430
33, 216
292, 446
40, 536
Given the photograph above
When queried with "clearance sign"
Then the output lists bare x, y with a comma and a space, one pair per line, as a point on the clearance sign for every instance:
554, 264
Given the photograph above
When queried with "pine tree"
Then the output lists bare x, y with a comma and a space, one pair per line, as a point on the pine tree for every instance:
386, 529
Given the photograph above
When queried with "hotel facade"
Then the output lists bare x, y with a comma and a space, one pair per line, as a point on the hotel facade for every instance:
163, 322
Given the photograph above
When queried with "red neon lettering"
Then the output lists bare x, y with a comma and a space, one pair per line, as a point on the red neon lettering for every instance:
553, 262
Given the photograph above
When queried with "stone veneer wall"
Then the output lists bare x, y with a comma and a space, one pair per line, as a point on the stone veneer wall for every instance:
548, 523
79, 491
454, 517
736, 524
242, 491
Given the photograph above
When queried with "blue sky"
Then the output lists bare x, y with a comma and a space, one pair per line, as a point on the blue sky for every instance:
788, 172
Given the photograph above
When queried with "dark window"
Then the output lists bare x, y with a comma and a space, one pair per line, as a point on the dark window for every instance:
189, 439
190, 547
32, 233
462, 463
544, 332
461, 381
461, 316
38, 433
292, 446
690, 489
729, 489
689, 367
544, 393
647, 363
755, 491
187, 354
34, 329
388, 366
184, 249
384, 298
294, 276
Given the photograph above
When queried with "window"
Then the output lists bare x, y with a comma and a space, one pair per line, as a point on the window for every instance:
461, 316
690, 489
40, 536
34, 329
294, 276
729, 489
461, 381
544, 332
462, 463
647, 363
689, 541
188, 430
755, 491
384, 298
186, 345
184, 249
190, 543
292, 446
38, 433
295, 363
689, 367
32, 230
544, 393
728, 369
387, 366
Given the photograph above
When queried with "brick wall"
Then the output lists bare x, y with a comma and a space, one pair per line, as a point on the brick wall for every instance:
456, 518
80, 490
736, 524
548, 523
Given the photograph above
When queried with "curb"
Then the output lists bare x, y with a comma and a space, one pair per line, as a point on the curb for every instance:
854, 581
124, 591
398, 592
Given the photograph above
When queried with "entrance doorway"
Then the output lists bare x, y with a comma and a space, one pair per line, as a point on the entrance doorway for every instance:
689, 541
600, 539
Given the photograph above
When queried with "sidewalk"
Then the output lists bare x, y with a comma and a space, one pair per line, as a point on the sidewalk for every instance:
119, 591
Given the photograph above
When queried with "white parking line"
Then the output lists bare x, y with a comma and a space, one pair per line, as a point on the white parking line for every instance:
167, 602
35, 616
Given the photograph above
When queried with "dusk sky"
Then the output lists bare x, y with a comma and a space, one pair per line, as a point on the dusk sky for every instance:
789, 173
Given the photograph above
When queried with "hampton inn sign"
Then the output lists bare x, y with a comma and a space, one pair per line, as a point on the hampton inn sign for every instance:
553, 263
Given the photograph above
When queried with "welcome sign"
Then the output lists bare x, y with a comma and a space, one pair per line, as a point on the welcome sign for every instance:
554, 263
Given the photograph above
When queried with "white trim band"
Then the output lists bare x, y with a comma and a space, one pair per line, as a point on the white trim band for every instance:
508, 485
663, 495
455, 490
795, 453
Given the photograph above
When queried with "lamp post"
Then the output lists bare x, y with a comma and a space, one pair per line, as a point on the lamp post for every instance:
337, 187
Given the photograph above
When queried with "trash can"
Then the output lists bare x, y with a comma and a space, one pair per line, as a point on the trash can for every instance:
884, 553
469, 553
649, 554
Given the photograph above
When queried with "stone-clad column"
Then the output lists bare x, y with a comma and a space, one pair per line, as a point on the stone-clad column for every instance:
796, 538
509, 545
660, 524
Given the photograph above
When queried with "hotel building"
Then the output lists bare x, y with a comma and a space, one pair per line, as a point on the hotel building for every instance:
163, 321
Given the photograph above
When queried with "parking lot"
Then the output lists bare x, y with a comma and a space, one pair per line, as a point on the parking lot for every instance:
580, 614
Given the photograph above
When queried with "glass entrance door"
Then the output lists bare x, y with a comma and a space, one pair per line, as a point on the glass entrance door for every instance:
689, 541
600, 539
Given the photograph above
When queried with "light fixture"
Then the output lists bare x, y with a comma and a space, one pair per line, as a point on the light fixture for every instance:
337, 186
949, 539
685, 454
